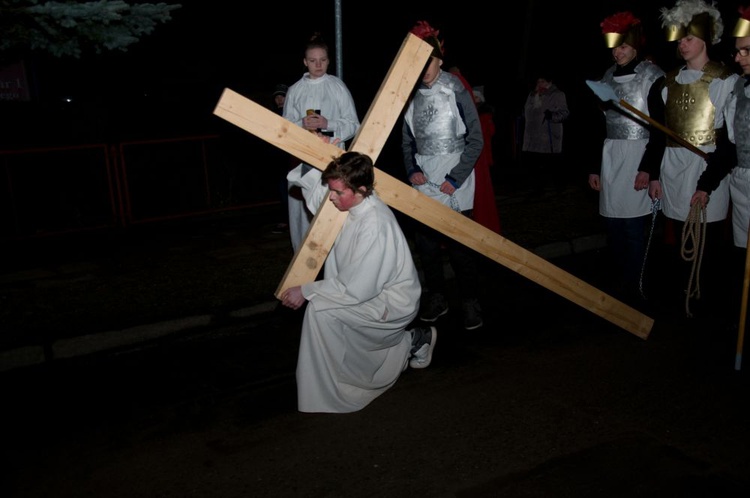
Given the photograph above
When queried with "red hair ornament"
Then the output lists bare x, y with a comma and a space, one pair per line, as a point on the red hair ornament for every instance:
429, 34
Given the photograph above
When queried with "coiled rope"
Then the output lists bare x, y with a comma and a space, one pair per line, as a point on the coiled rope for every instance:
693, 244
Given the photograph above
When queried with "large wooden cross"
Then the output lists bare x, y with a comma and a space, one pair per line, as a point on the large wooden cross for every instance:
370, 139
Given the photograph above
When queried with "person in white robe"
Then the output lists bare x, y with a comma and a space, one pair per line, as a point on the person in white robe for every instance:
319, 102
354, 343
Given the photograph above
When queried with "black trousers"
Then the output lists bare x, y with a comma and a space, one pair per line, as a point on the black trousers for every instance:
430, 245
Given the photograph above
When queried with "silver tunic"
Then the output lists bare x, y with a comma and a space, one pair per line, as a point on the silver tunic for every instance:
435, 120
622, 124
440, 135
625, 144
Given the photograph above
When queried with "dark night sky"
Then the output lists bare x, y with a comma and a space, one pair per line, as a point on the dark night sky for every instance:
260, 48
207, 46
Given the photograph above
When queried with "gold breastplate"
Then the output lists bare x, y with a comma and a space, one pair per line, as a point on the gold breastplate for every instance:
689, 111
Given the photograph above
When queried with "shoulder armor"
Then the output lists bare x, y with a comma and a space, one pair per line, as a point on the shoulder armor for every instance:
451, 81
711, 70
671, 76
650, 70
716, 70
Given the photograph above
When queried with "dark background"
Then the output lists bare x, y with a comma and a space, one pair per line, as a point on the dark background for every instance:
169, 83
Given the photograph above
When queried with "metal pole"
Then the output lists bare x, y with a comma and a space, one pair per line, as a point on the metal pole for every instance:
743, 307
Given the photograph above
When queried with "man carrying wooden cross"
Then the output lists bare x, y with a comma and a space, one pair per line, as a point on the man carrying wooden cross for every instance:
354, 343
378, 123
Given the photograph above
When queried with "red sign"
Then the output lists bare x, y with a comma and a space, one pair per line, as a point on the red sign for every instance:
13, 83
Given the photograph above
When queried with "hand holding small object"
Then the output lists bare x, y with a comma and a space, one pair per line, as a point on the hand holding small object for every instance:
329, 140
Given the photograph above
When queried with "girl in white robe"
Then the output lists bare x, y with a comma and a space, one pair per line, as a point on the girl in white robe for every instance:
317, 101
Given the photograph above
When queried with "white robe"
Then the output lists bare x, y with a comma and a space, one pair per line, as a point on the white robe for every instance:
739, 185
329, 95
354, 343
681, 168
618, 198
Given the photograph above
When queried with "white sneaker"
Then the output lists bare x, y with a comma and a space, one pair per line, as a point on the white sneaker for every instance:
422, 357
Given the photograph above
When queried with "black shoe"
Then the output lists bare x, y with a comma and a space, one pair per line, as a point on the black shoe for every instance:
472, 314
436, 307
280, 228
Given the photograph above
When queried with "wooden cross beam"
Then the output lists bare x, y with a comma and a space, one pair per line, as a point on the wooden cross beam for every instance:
370, 139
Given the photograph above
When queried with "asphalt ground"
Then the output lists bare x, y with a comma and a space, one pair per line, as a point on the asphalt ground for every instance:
546, 400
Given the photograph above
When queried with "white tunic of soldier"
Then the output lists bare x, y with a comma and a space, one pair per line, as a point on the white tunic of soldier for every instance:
709, 92
626, 143
439, 132
739, 181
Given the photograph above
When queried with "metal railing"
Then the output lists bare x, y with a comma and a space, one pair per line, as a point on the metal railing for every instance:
56, 190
